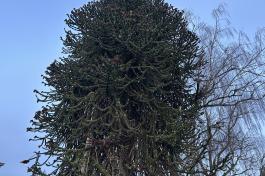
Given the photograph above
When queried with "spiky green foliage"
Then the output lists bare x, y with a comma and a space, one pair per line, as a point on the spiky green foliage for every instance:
122, 101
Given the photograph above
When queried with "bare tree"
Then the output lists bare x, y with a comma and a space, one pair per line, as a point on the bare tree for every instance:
233, 99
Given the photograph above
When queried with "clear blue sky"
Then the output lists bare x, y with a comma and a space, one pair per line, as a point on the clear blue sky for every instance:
29, 41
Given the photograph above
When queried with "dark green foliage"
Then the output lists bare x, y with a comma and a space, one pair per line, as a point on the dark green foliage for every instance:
122, 102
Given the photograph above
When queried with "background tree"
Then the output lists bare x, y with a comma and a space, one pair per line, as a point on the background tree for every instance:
232, 86
122, 101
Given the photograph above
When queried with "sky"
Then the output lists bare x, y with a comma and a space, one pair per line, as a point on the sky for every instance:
30, 34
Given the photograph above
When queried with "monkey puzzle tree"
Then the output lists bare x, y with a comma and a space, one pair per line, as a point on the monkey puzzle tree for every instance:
122, 100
